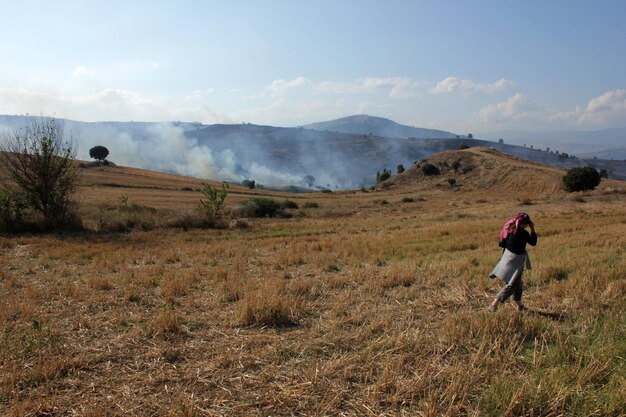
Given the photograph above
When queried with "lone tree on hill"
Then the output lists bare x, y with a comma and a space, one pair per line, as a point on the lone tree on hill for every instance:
42, 169
400, 168
581, 179
99, 152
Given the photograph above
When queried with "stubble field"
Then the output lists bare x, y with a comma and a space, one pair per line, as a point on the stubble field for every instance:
369, 304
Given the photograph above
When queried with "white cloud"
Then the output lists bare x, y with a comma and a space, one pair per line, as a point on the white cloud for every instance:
106, 104
455, 84
607, 101
195, 95
395, 87
515, 107
82, 71
608, 109
279, 87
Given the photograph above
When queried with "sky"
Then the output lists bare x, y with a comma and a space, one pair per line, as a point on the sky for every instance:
461, 66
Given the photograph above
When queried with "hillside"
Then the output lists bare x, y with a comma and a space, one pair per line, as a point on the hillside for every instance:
615, 168
483, 169
364, 124
272, 156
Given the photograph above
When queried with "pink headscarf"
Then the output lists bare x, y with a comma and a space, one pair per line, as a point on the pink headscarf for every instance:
521, 218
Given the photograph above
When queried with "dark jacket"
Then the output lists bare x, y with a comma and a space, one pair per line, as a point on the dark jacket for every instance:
517, 241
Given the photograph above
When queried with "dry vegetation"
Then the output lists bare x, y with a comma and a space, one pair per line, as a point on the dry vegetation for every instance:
352, 308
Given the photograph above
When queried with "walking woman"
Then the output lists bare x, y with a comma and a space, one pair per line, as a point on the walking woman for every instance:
513, 240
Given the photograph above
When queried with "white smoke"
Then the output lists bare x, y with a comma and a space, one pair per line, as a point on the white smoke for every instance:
164, 147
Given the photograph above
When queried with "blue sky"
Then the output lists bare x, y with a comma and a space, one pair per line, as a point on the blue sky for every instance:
454, 65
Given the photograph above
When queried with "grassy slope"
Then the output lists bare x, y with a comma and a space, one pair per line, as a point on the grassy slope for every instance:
381, 305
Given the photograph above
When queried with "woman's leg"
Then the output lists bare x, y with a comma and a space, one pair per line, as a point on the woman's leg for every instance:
517, 293
513, 287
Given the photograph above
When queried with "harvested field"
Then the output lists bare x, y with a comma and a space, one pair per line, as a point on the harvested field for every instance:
357, 307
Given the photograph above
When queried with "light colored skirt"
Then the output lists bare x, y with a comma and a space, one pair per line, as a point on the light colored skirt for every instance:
510, 266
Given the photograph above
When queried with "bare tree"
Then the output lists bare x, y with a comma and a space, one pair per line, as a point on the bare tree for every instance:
42, 169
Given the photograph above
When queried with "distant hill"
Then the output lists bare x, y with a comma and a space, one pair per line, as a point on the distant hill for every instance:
616, 169
378, 126
272, 156
606, 143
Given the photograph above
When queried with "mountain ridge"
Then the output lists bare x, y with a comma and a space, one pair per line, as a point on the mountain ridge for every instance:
272, 156
365, 124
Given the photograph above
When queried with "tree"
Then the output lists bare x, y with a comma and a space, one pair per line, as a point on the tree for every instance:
251, 184
604, 173
98, 152
581, 179
501, 141
400, 168
470, 136
384, 176
41, 165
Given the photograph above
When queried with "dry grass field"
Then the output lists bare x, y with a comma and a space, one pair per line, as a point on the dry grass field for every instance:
371, 304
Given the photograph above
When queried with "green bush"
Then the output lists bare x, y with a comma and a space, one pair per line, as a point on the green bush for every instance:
262, 207
212, 202
408, 200
429, 169
11, 213
42, 169
581, 179
311, 204
289, 204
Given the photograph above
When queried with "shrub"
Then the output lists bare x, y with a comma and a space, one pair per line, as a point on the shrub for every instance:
452, 182
464, 146
262, 207
581, 179
44, 174
212, 203
429, 169
311, 204
11, 213
400, 169
456, 165
408, 200
289, 204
